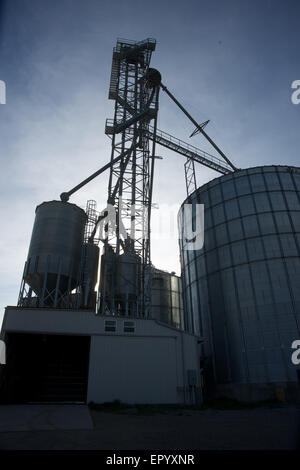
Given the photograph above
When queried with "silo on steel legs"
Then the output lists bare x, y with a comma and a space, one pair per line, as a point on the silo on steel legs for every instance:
52, 269
242, 289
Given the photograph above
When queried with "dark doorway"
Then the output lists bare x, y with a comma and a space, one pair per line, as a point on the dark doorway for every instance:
45, 368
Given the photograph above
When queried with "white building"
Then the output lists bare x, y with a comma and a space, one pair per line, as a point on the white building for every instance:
76, 355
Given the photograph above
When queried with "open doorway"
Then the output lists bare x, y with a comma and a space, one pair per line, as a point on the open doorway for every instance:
45, 368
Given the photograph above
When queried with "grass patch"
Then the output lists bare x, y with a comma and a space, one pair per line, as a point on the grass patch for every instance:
119, 407
225, 403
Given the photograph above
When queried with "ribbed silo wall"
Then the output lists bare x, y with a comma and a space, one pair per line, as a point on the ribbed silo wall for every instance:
242, 289
166, 298
55, 246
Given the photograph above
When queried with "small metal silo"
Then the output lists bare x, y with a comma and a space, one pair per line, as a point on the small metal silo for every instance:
52, 268
166, 303
120, 280
128, 276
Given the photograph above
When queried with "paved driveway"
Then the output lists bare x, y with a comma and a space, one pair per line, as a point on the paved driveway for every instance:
70, 427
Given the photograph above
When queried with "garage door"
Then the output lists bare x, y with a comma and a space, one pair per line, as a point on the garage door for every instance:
45, 368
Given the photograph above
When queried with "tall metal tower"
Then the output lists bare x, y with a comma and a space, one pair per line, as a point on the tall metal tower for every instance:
125, 278
134, 87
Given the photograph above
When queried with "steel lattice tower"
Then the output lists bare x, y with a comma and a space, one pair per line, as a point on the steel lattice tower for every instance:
131, 178
125, 278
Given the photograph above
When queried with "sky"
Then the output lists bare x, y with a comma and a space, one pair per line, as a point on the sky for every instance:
230, 61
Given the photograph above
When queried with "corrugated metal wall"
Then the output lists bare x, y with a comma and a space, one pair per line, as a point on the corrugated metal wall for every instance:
167, 305
242, 289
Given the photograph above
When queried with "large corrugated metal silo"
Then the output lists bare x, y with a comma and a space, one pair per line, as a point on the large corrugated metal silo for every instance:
242, 289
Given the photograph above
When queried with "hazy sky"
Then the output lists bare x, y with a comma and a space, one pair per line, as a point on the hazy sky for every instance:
229, 61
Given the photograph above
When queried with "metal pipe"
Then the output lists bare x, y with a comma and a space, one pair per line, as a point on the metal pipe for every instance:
65, 196
111, 199
197, 126
152, 169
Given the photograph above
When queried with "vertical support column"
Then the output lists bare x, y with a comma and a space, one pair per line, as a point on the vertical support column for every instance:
190, 176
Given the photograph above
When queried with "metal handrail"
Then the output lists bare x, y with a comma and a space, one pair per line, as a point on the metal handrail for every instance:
132, 43
189, 147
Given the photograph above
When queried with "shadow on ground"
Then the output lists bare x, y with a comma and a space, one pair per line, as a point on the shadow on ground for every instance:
219, 425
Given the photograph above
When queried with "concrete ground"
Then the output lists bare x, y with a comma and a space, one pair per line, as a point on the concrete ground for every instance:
69, 427
44, 418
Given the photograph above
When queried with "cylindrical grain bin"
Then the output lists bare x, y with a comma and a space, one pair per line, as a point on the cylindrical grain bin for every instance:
166, 304
55, 249
242, 289
127, 287
128, 274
